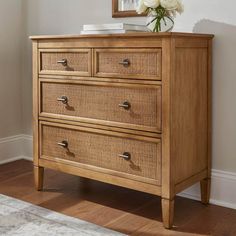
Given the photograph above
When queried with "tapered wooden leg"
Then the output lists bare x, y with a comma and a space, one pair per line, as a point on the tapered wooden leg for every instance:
167, 212
38, 177
205, 190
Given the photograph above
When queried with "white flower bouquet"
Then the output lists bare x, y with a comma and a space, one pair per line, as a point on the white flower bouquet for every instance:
161, 10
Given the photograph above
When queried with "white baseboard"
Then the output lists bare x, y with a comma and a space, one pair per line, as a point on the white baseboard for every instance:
15, 148
223, 187
10, 148
26, 158
27, 144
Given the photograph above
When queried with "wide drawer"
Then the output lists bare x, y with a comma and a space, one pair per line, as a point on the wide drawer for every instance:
142, 64
65, 62
129, 157
127, 106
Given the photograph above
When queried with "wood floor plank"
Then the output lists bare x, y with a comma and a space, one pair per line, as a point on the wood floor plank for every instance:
155, 228
108, 213
14, 169
131, 222
211, 221
127, 211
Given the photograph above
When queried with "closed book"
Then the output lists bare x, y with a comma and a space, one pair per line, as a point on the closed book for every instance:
115, 26
83, 32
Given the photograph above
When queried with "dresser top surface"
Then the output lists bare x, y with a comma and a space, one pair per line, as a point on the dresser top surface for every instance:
128, 35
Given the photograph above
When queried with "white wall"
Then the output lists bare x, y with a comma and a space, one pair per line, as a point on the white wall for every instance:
10, 67
212, 16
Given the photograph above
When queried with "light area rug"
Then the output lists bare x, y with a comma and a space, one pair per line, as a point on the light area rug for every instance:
19, 218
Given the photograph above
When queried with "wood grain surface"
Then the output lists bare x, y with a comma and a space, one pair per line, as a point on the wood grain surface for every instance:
166, 80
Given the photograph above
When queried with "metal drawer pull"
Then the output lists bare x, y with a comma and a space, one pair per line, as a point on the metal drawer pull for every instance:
126, 105
63, 144
63, 99
126, 156
125, 62
63, 62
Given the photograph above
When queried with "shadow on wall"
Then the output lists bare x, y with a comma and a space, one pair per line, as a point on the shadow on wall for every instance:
224, 90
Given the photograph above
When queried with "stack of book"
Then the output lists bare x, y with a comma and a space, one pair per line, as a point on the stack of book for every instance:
116, 28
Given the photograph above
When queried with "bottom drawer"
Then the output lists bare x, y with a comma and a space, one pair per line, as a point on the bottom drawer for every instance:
133, 157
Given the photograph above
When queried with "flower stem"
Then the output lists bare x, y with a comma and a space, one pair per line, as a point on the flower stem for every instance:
160, 14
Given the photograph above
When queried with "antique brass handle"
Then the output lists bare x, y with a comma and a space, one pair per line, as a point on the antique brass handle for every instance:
126, 156
126, 105
125, 62
63, 144
63, 62
63, 99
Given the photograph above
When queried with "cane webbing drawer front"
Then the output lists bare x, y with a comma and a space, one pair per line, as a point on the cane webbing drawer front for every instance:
66, 62
104, 103
100, 150
128, 63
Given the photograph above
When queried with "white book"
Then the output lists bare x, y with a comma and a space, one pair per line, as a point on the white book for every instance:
83, 32
115, 26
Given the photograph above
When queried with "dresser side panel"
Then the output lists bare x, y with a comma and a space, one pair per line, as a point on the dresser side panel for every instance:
189, 111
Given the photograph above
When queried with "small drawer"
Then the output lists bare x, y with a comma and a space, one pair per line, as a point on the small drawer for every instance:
126, 106
110, 153
65, 62
142, 64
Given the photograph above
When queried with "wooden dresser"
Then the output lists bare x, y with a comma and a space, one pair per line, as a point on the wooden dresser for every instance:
131, 110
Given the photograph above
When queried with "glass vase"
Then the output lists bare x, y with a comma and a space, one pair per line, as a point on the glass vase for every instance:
155, 23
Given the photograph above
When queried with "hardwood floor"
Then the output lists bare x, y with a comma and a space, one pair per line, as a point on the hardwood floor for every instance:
127, 211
